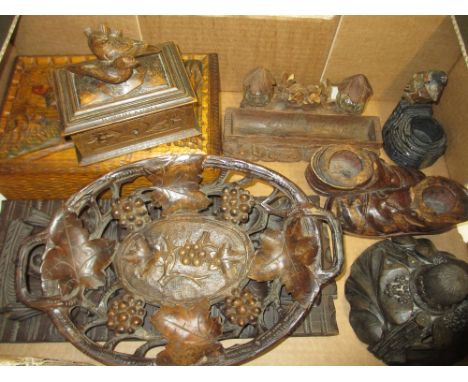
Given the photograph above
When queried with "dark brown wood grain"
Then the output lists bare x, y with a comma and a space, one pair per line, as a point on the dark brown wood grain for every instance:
286, 136
409, 302
190, 331
345, 169
73, 260
433, 205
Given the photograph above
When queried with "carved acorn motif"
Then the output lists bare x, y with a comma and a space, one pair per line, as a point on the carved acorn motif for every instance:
126, 314
242, 307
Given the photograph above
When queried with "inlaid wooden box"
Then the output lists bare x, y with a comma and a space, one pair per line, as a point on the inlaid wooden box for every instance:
29, 112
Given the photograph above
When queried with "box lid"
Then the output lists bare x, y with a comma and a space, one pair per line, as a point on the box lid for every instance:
158, 82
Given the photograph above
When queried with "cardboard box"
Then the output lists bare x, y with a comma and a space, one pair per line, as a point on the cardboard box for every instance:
387, 49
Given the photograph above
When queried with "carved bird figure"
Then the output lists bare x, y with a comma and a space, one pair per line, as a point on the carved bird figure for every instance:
114, 72
109, 44
425, 87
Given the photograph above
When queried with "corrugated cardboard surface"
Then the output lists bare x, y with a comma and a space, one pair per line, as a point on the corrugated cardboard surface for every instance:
452, 112
298, 45
54, 35
389, 49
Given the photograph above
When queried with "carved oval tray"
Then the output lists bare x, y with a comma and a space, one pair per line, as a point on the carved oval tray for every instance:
178, 264
195, 243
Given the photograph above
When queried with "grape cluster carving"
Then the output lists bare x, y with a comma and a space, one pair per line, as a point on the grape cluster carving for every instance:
126, 314
193, 254
242, 307
236, 204
131, 213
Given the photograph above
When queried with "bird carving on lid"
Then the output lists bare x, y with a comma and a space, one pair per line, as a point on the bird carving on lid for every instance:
116, 56
114, 72
109, 44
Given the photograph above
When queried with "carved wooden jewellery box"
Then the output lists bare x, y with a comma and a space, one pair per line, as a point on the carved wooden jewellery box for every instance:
133, 96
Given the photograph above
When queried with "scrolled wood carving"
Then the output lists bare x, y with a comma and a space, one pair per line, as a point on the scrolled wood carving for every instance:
193, 262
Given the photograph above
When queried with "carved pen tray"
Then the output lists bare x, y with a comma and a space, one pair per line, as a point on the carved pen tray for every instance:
293, 136
194, 262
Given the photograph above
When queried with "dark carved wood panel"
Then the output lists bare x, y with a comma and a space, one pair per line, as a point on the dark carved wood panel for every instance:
18, 323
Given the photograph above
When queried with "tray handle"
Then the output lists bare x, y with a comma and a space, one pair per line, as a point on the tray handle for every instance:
309, 210
22, 291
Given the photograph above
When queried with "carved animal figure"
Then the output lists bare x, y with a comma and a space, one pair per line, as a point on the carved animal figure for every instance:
109, 44
114, 72
425, 87
258, 87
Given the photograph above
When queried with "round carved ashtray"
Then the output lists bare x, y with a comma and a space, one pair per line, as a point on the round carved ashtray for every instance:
152, 254
342, 167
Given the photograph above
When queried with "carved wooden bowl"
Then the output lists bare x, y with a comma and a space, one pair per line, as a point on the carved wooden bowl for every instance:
181, 264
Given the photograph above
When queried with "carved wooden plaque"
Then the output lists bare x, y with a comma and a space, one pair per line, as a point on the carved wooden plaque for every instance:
19, 323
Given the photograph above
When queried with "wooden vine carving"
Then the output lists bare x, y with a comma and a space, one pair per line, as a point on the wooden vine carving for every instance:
187, 266
75, 261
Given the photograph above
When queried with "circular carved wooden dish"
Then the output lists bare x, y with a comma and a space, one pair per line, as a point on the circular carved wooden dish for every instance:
180, 265
342, 166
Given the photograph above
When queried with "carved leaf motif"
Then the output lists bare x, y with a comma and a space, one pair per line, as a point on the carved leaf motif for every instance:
142, 256
75, 261
268, 262
190, 331
301, 247
361, 290
177, 186
141, 252
299, 281
288, 259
